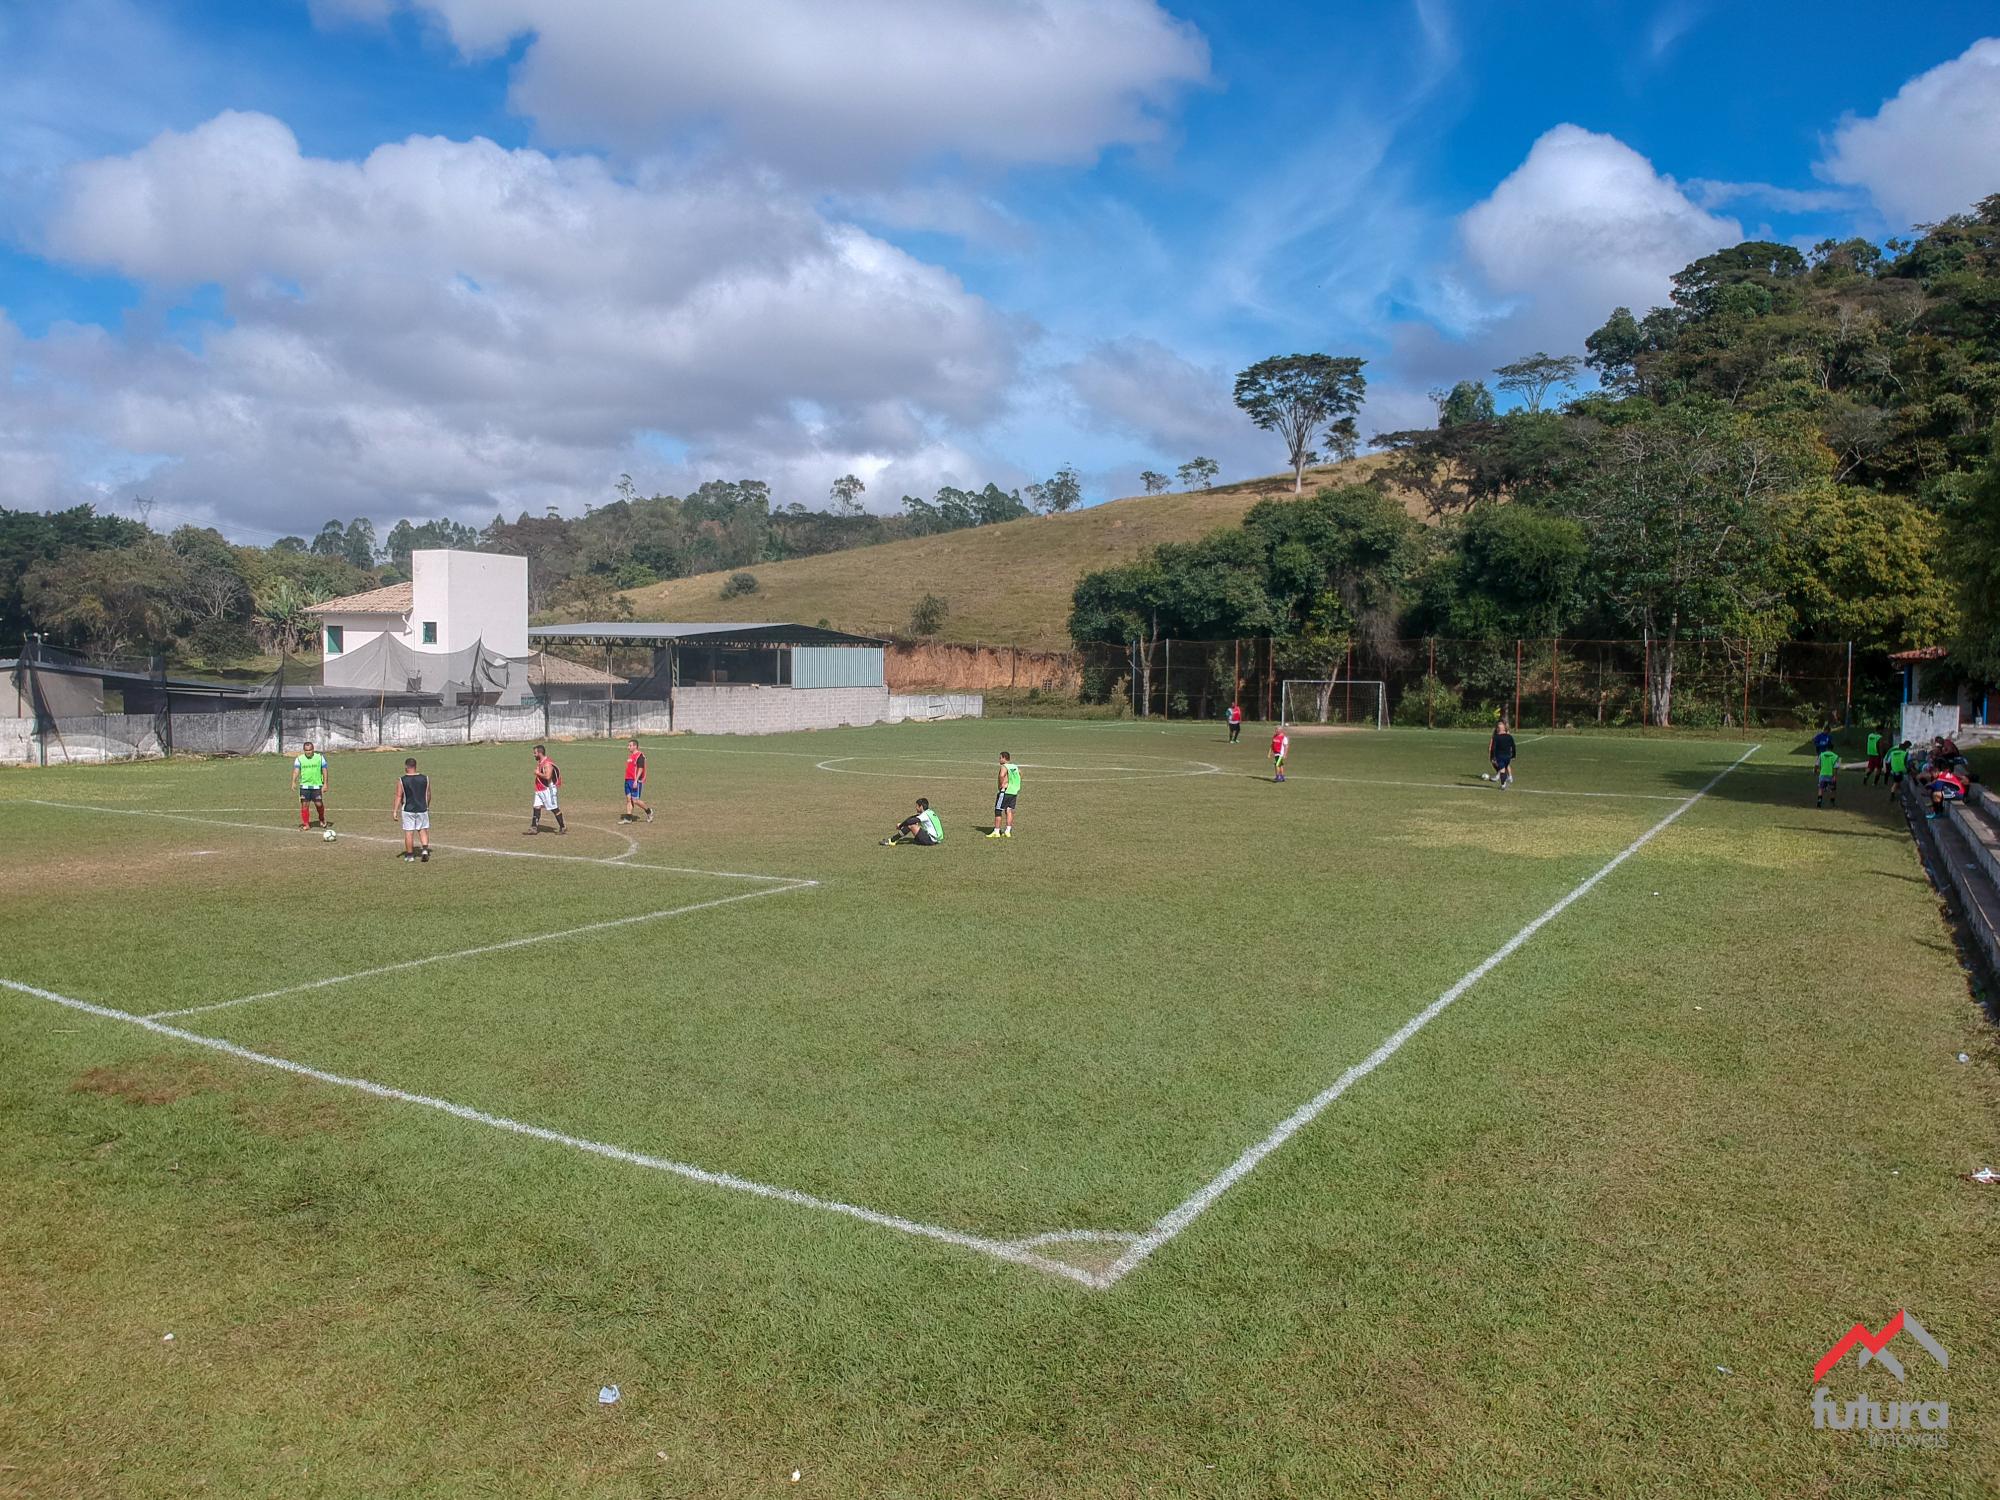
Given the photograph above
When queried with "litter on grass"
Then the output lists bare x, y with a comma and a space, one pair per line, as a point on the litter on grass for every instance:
1985, 1177
606, 1394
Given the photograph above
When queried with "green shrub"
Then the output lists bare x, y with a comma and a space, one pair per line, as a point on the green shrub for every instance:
736, 585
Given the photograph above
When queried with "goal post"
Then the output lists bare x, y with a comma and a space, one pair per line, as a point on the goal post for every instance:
1307, 701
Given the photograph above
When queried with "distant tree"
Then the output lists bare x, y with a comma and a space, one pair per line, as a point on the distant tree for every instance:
1062, 491
1533, 377
406, 537
113, 600
1198, 473
284, 620
289, 544
1155, 483
1468, 401
1298, 396
929, 615
736, 585
846, 493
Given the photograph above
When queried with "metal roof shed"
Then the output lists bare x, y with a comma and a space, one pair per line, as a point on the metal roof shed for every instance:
740, 653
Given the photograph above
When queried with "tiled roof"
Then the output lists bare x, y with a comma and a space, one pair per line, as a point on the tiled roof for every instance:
1921, 653
390, 599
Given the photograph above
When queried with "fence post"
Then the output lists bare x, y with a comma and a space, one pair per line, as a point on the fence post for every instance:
1349, 714
1746, 684
1555, 675
1517, 679
1167, 682
1430, 688
1847, 714
1646, 682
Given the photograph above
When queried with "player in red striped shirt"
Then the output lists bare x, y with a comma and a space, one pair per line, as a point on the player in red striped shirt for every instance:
635, 784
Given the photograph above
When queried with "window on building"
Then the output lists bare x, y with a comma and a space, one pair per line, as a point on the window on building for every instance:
430, 632
336, 638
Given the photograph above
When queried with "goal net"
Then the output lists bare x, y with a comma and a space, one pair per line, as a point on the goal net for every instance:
1333, 700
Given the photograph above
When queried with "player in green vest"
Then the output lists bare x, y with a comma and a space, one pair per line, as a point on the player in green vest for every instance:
1878, 741
309, 781
922, 827
1004, 798
1899, 766
1829, 774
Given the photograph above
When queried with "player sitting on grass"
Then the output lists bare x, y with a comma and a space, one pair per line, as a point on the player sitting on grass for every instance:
309, 781
413, 805
1500, 752
921, 827
635, 784
1829, 778
1280, 744
548, 792
1899, 766
1004, 799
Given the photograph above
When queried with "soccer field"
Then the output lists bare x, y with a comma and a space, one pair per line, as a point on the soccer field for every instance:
1210, 1136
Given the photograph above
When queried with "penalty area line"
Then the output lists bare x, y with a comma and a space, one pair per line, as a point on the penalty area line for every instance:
501, 947
999, 1249
1204, 1198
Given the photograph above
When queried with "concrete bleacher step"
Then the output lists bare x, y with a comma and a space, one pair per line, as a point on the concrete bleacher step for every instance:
1965, 844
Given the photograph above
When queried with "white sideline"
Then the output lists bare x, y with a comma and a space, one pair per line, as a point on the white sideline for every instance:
1199, 1202
616, 861
501, 947
1000, 1249
1464, 786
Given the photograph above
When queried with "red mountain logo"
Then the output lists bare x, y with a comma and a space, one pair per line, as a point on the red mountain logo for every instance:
1875, 1346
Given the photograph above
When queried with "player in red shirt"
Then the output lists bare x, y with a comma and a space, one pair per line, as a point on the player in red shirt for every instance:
635, 784
548, 792
1280, 743
1235, 721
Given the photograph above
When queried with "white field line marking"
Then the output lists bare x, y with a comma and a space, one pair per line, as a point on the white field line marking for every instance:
621, 862
999, 1249
1198, 1203
502, 947
1461, 786
1202, 768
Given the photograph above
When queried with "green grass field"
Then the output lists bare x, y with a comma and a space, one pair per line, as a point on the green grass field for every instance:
992, 1169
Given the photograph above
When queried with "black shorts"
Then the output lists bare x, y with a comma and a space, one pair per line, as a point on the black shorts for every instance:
311, 793
1502, 762
1005, 801
922, 836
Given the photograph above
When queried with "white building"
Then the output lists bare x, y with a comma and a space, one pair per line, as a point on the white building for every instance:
459, 627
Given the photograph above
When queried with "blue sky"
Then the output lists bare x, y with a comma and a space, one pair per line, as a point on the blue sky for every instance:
268, 261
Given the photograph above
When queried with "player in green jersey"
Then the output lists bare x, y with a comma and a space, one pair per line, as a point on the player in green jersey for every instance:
1878, 744
1829, 775
922, 827
1004, 799
309, 781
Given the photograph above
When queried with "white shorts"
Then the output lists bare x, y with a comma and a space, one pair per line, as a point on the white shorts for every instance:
545, 798
413, 822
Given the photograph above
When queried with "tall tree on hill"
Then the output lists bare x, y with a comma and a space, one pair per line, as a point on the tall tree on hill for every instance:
1060, 492
1468, 401
1533, 377
1154, 483
1299, 396
1199, 472
846, 492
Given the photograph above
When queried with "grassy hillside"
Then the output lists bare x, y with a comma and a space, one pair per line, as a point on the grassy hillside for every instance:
1010, 583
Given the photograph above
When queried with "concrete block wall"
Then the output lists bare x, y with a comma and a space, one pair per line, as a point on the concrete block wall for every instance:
775, 710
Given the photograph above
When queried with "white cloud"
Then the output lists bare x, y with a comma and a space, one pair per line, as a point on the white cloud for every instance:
453, 325
838, 89
1931, 151
1583, 225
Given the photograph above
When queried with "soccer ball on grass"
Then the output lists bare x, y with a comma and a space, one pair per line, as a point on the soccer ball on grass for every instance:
329, 835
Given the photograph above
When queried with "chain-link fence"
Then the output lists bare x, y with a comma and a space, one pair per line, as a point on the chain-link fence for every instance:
1442, 683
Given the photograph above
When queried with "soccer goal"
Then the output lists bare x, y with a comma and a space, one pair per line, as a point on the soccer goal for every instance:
1304, 701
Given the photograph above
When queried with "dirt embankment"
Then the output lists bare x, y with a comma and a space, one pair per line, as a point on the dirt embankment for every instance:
940, 666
